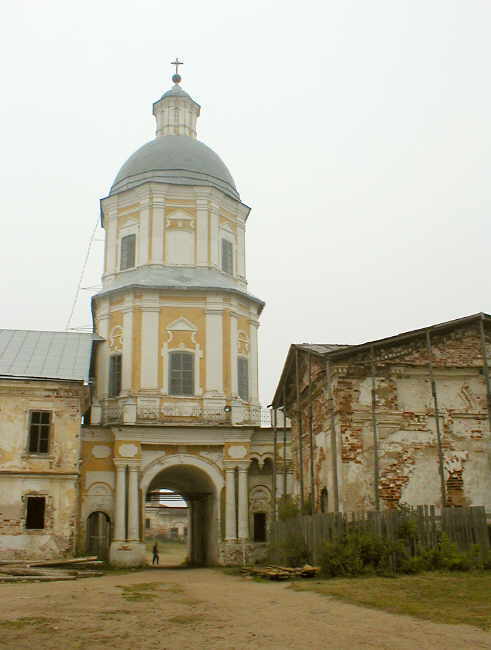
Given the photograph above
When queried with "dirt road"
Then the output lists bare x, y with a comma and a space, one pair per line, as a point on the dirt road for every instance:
203, 608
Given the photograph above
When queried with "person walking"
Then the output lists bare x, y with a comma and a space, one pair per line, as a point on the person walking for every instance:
155, 551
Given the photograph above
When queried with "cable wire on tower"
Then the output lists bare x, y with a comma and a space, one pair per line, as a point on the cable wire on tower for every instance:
84, 266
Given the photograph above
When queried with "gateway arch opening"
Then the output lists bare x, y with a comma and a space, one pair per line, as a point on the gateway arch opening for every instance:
199, 493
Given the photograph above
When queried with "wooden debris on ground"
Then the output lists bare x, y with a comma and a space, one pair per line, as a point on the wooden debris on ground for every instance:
281, 573
50, 570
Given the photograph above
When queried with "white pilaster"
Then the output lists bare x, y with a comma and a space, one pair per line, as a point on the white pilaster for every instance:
214, 219
144, 233
126, 374
150, 345
253, 370
243, 503
202, 232
158, 230
119, 519
230, 518
233, 354
133, 502
240, 251
214, 348
111, 228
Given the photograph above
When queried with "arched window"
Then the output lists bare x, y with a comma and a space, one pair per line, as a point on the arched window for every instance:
115, 363
181, 373
128, 248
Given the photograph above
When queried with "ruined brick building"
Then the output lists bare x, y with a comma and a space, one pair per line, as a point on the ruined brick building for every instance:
401, 420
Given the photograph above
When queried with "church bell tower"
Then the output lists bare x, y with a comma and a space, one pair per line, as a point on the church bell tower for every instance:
179, 326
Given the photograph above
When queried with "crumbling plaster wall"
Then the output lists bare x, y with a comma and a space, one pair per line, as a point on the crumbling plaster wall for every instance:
53, 475
407, 440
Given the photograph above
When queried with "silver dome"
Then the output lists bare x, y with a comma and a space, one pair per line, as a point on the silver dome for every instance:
177, 160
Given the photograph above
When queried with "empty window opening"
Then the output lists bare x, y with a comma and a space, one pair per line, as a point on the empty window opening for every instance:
181, 371
36, 507
114, 375
259, 526
243, 378
227, 257
324, 500
128, 247
147, 523
39, 430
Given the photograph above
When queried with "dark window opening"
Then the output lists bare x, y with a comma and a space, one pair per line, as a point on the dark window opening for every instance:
35, 512
39, 430
243, 378
227, 257
181, 371
128, 247
324, 500
259, 526
174, 533
147, 523
115, 375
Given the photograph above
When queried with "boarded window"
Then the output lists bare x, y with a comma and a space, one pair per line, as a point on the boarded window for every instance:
227, 256
181, 370
243, 378
39, 431
259, 526
114, 375
128, 246
36, 507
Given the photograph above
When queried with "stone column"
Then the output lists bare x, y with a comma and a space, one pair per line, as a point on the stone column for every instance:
253, 370
214, 226
133, 509
243, 503
214, 346
144, 234
230, 518
119, 515
233, 354
150, 345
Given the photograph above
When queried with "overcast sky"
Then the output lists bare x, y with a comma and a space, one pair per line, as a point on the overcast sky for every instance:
358, 132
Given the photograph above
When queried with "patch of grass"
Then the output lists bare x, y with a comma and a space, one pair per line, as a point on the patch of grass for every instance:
184, 620
42, 622
172, 588
140, 591
453, 598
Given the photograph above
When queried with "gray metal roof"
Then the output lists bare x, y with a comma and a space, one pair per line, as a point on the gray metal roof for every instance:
45, 355
178, 160
321, 348
179, 278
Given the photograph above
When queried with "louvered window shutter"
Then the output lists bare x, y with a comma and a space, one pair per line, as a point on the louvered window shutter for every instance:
227, 256
243, 378
128, 246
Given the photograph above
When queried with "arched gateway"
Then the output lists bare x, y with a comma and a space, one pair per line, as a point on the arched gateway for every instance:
175, 402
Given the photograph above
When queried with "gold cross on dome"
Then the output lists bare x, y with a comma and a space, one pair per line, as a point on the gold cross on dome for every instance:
177, 63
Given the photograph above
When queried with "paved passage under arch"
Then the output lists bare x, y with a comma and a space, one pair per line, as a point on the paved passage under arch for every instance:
200, 485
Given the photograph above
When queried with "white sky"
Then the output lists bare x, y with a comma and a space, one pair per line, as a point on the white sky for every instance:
358, 131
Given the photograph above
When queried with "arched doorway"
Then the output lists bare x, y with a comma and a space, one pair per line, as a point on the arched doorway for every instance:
199, 483
98, 535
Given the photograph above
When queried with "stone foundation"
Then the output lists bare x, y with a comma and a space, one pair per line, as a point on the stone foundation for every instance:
127, 554
239, 553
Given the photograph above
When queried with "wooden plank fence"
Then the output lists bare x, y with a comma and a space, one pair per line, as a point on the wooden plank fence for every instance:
464, 526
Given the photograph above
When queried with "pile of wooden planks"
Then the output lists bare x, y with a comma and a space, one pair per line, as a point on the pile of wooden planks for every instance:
50, 570
281, 572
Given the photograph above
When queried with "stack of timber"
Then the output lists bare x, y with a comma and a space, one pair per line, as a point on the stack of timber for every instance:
50, 570
281, 572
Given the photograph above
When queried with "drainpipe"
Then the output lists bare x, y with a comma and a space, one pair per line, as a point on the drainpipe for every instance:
485, 367
374, 430
437, 418
311, 440
334, 442
300, 429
